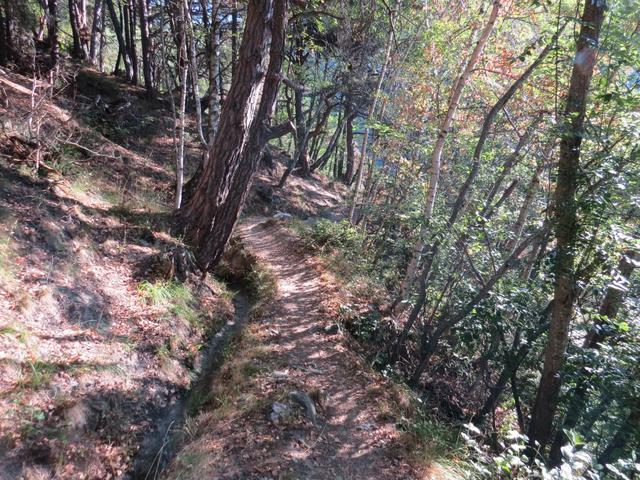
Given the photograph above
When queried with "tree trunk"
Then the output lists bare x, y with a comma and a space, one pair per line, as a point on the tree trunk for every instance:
187, 26
544, 410
4, 49
129, 22
234, 37
147, 47
103, 38
447, 320
598, 333
214, 74
302, 139
122, 44
52, 31
79, 33
209, 216
76, 51
95, 30
333, 141
518, 226
348, 175
184, 72
371, 112
630, 426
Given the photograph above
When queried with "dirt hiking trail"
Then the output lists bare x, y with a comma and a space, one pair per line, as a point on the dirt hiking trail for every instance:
352, 438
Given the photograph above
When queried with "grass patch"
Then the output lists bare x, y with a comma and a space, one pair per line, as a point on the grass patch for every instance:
38, 374
262, 288
435, 444
176, 298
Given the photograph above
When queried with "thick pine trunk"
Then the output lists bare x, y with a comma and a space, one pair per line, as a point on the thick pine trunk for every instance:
542, 419
209, 216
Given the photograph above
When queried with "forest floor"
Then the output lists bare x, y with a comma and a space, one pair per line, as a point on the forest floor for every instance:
256, 428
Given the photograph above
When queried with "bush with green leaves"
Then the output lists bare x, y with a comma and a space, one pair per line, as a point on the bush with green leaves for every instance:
508, 460
335, 235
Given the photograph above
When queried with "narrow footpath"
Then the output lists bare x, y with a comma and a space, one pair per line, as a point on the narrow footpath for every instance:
354, 436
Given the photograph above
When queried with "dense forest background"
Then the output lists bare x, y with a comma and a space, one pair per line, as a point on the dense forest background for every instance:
489, 153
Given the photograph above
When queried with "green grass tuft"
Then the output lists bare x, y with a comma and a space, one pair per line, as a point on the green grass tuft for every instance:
176, 298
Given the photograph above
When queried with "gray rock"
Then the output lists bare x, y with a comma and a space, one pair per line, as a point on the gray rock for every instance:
331, 215
331, 329
305, 402
280, 376
280, 412
282, 217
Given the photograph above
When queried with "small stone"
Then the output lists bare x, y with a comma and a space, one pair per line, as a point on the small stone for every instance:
331, 329
366, 426
282, 217
280, 376
305, 401
280, 412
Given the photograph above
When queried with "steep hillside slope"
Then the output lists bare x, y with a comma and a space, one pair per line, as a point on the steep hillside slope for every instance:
94, 341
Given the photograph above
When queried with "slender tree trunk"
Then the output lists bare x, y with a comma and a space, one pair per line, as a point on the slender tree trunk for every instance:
147, 47
103, 38
94, 43
79, 33
511, 161
370, 113
122, 44
348, 175
599, 332
234, 37
10, 53
518, 226
302, 139
184, 72
544, 410
209, 216
333, 141
130, 38
628, 429
52, 31
4, 49
214, 74
76, 50
193, 63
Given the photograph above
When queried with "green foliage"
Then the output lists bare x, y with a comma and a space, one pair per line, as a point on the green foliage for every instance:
327, 235
509, 460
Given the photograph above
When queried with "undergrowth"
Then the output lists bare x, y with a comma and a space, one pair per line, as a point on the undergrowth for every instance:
177, 298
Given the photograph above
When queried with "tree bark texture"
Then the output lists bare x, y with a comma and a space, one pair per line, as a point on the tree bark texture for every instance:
542, 419
209, 216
